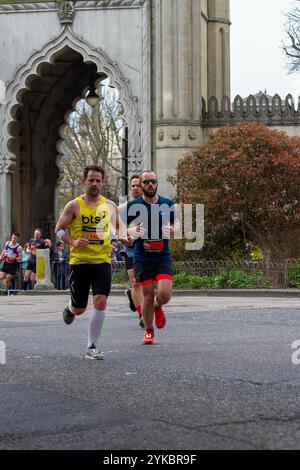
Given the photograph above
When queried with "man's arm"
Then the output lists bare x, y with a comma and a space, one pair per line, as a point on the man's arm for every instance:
19, 255
117, 222
64, 222
122, 218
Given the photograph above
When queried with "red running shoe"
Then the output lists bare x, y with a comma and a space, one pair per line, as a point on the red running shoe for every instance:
149, 337
160, 319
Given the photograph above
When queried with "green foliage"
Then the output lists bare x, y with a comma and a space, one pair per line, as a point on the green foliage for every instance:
238, 279
293, 274
119, 278
242, 280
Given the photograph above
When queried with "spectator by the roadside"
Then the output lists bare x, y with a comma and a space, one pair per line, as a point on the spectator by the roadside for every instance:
60, 265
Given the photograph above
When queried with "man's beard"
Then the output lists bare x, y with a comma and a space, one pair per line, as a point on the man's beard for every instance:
150, 193
93, 192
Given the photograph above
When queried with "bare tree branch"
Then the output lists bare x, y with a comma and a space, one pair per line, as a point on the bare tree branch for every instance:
92, 136
292, 47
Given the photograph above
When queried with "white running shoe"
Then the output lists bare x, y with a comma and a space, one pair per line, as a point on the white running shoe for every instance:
93, 353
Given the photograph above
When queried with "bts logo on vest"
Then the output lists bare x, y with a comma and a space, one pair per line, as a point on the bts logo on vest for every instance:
91, 220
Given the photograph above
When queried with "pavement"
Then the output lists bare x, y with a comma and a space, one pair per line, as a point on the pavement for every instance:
191, 292
223, 374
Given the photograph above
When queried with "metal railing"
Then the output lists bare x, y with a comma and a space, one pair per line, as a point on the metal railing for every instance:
196, 274
59, 277
240, 274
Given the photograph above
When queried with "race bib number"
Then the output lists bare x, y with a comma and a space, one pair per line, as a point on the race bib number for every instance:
94, 236
153, 246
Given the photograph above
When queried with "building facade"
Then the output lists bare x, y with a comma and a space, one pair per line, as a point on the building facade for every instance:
161, 55
169, 60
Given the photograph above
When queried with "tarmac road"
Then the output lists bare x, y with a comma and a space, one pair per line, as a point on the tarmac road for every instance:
220, 376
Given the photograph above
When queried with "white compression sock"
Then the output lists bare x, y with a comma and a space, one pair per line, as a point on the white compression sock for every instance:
70, 305
95, 326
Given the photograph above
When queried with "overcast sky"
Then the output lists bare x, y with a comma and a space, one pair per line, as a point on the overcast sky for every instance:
257, 62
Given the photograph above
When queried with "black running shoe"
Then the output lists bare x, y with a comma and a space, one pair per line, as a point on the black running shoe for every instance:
141, 322
68, 316
131, 303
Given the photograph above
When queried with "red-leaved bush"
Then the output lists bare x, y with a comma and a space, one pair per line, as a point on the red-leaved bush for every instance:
248, 178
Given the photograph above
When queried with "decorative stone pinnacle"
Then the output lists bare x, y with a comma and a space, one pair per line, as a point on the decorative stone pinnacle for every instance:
66, 11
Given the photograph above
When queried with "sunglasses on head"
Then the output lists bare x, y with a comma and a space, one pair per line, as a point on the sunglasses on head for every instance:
153, 181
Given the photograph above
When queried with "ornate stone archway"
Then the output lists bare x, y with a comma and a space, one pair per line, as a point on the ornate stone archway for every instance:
162, 55
18, 86
22, 177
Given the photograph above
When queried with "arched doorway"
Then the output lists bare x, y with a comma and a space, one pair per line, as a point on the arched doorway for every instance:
40, 98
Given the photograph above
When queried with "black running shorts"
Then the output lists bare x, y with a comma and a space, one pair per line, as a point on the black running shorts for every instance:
128, 261
84, 276
146, 272
9, 268
31, 266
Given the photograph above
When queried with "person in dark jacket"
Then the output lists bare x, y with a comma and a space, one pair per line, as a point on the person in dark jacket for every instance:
60, 265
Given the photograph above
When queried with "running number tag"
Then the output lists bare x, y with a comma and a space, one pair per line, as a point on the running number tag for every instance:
93, 235
153, 246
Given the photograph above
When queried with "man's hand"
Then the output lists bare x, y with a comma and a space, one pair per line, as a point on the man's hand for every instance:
79, 243
137, 231
167, 231
128, 241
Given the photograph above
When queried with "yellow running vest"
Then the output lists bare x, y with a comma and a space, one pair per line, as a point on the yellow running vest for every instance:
92, 223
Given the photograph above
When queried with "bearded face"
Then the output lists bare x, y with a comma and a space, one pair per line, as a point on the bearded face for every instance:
149, 184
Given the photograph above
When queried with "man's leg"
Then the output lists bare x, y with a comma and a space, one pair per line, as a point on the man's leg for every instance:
96, 324
79, 290
148, 312
137, 295
101, 285
148, 301
2, 278
7, 282
128, 292
26, 278
164, 293
33, 273
70, 312
144, 275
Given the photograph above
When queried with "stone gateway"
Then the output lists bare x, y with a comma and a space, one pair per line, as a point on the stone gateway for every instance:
167, 58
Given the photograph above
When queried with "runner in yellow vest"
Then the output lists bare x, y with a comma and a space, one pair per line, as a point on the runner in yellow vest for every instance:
90, 219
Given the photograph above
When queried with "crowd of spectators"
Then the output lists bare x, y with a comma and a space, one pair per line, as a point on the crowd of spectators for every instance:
25, 276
